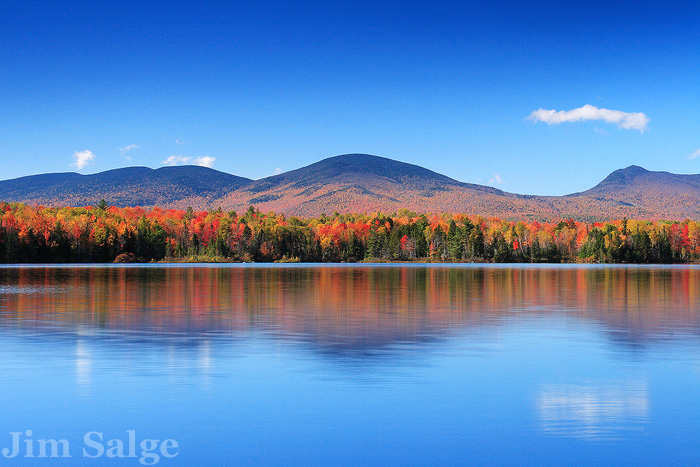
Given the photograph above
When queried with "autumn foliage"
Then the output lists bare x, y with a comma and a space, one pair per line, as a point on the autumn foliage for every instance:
105, 234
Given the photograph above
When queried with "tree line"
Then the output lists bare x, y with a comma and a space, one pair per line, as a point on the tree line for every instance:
104, 234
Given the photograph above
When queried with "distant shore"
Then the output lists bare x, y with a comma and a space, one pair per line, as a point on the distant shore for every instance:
372, 261
104, 234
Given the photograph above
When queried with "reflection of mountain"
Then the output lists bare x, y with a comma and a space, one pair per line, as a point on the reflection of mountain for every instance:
355, 311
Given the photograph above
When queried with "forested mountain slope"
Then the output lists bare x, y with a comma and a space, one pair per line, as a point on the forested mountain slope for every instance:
360, 183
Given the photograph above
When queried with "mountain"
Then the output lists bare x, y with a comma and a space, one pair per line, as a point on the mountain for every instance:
365, 183
130, 186
361, 183
635, 179
663, 193
355, 182
363, 169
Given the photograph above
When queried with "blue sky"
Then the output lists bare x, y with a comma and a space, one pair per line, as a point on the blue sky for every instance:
251, 91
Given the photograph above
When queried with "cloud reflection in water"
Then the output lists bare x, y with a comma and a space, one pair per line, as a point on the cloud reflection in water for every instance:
593, 412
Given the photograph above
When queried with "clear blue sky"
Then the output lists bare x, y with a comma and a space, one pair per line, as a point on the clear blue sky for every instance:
254, 90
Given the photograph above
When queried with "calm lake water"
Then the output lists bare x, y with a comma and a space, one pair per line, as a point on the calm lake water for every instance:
356, 365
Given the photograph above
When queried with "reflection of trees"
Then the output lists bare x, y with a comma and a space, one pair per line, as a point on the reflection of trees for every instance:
350, 308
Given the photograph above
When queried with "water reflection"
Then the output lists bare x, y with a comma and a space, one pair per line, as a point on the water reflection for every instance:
82, 363
593, 412
353, 365
347, 311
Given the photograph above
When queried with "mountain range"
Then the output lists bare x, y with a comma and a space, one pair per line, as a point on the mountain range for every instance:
360, 183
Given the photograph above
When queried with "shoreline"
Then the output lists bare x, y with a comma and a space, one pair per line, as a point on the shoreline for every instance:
428, 262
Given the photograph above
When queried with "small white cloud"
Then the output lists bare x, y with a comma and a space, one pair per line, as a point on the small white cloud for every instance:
625, 120
277, 171
128, 148
179, 141
176, 160
204, 161
496, 179
694, 155
82, 158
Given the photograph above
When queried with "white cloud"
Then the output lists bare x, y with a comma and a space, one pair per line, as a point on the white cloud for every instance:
496, 179
179, 141
128, 148
277, 171
625, 120
694, 155
82, 158
176, 160
204, 161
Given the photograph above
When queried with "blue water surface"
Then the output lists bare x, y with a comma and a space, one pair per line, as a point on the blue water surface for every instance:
356, 364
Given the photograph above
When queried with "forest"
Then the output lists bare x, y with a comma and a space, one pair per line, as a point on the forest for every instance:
101, 233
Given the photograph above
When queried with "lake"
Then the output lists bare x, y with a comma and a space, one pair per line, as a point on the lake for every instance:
353, 364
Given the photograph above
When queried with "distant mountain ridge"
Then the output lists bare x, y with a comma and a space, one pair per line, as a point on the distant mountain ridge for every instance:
636, 177
360, 183
129, 186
